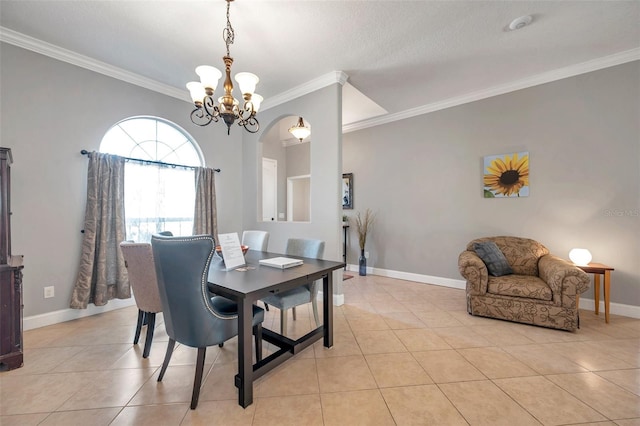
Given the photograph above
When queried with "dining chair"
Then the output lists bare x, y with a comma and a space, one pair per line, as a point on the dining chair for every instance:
300, 295
138, 259
192, 316
256, 240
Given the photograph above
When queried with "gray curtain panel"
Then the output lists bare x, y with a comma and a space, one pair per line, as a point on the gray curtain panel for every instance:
205, 217
102, 275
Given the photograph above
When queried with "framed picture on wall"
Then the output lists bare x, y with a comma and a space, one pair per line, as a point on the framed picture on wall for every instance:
347, 190
506, 175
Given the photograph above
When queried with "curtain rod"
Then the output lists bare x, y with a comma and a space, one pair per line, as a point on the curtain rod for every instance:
160, 163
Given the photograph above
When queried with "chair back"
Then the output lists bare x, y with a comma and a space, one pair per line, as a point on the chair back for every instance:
138, 259
256, 240
522, 254
182, 267
305, 248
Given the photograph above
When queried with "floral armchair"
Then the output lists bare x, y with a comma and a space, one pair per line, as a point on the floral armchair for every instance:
542, 289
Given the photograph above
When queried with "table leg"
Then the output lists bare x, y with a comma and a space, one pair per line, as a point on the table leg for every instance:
244, 380
596, 292
344, 247
607, 287
327, 309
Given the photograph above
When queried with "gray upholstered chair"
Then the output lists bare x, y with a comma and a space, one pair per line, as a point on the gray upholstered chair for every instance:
138, 259
192, 316
289, 299
256, 240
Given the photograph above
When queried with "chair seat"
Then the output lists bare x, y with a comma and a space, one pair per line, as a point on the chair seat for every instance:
290, 298
520, 286
226, 307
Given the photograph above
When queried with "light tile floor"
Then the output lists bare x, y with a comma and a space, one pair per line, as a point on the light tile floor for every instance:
405, 353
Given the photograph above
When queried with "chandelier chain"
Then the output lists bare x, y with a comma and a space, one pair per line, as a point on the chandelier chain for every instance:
228, 34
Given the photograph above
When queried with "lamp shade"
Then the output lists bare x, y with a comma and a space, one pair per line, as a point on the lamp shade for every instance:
256, 100
580, 256
196, 90
247, 82
209, 76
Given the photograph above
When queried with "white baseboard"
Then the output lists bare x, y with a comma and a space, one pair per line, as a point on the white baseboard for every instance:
63, 315
586, 304
410, 276
614, 308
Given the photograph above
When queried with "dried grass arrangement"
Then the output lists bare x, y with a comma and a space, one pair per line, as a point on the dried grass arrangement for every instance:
364, 223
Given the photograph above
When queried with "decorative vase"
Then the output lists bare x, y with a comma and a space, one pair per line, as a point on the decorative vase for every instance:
362, 262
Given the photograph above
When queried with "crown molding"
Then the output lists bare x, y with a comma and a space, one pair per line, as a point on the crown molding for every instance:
546, 77
311, 86
35, 45
42, 47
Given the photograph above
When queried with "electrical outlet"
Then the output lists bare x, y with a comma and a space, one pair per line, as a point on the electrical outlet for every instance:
366, 254
49, 292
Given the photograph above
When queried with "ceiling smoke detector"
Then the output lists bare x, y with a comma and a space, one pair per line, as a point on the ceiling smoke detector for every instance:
520, 22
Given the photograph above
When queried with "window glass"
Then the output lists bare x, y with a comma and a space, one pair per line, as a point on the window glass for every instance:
157, 198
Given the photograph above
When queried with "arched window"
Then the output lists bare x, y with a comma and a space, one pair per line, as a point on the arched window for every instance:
157, 197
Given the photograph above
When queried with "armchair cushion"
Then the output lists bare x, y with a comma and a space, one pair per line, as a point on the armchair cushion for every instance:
520, 286
491, 255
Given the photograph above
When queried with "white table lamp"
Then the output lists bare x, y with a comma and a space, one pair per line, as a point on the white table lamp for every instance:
580, 256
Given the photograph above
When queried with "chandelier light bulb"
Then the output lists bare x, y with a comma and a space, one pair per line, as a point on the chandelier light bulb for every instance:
580, 256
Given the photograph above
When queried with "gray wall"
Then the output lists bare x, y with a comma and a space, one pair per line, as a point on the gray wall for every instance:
50, 111
423, 177
319, 108
299, 159
293, 160
273, 149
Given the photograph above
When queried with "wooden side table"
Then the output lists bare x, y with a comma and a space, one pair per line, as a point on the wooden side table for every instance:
598, 269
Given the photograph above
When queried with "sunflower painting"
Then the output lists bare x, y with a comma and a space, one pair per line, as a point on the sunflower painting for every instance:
506, 175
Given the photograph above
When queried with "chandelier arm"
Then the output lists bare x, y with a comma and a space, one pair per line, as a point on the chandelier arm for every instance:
200, 118
248, 109
210, 108
250, 124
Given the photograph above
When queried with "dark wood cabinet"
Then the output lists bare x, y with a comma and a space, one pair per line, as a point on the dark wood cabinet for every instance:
10, 277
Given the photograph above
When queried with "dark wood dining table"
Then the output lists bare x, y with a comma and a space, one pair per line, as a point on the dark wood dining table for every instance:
246, 286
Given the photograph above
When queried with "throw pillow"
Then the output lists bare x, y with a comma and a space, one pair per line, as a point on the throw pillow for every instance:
491, 255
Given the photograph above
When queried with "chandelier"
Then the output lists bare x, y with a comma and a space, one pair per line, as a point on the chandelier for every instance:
299, 130
227, 107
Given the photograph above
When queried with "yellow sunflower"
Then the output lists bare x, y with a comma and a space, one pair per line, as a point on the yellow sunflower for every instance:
507, 176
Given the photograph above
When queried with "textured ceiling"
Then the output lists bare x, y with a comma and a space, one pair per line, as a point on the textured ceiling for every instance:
400, 54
